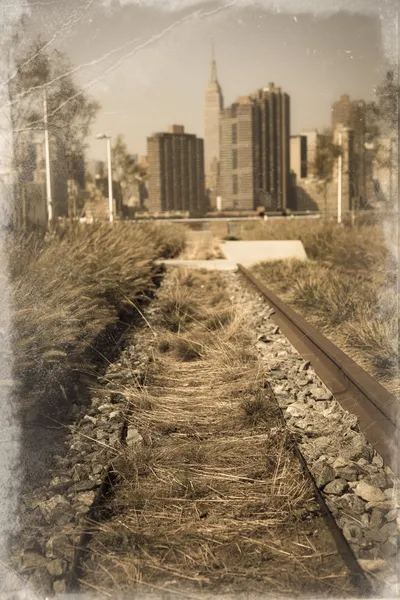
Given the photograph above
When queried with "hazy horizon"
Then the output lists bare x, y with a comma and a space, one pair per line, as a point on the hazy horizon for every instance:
149, 67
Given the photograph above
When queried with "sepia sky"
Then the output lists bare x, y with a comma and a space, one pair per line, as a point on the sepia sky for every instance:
148, 67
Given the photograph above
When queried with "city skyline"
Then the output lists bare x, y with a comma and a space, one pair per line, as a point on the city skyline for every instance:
162, 80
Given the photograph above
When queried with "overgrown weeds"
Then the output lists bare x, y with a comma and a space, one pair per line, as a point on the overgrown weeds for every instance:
348, 288
195, 298
210, 503
359, 248
68, 288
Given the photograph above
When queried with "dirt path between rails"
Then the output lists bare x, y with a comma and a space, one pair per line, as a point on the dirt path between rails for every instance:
211, 498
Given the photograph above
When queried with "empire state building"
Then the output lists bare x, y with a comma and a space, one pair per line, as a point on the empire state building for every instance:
214, 103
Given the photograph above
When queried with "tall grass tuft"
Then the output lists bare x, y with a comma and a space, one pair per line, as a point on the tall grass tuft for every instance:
68, 288
348, 288
358, 247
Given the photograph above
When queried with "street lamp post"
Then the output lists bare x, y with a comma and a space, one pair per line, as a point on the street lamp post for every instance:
368, 146
354, 203
391, 169
49, 199
339, 210
103, 136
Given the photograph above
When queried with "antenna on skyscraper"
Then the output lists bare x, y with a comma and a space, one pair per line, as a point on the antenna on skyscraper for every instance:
213, 77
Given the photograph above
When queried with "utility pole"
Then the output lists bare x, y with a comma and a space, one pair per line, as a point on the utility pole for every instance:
339, 210
110, 194
47, 160
16, 182
390, 170
24, 211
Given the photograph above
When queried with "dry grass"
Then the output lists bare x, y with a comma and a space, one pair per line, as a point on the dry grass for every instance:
213, 500
359, 247
168, 238
348, 288
67, 289
195, 297
201, 246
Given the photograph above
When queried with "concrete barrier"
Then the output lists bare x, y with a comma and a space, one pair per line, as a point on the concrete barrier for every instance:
250, 253
209, 265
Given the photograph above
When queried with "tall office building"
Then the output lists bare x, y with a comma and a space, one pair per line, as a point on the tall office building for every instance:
176, 172
352, 114
312, 141
298, 155
344, 137
237, 156
255, 151
214, 103
349, 113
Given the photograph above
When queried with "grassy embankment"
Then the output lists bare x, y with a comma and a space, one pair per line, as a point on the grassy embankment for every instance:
348, 288
67, 290
213, 500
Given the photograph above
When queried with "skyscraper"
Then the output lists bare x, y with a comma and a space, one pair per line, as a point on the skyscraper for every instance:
298, 155
214, 103
312, 140
255, 151
238, 149
352, 114
347, 171
176, 172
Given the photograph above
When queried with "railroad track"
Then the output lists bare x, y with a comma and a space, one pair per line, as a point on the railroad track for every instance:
357, 392
354, 389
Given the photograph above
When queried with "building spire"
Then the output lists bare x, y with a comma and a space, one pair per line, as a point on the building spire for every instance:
213, 76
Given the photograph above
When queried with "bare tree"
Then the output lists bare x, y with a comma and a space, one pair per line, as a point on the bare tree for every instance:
35, 70
382, 128
71, 112
128, 171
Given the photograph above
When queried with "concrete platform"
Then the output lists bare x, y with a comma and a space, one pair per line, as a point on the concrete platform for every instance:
209, 265
249, 253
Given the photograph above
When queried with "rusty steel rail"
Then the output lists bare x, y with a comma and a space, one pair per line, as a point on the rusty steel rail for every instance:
356, 391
